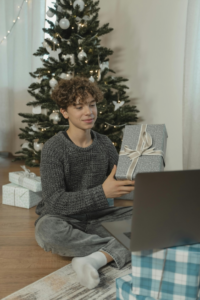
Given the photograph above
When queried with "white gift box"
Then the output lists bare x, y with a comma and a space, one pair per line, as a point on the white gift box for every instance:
16, 195
26, 179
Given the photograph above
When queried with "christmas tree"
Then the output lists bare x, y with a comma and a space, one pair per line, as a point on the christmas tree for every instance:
74, 50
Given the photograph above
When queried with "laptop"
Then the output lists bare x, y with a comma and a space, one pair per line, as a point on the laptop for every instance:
166, 212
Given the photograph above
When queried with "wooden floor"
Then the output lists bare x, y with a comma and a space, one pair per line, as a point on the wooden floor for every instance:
22, 261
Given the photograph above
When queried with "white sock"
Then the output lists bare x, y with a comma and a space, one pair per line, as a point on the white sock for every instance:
86, 268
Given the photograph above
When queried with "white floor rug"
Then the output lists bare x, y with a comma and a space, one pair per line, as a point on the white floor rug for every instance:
62, 285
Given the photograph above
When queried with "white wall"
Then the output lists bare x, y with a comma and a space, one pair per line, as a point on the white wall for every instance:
148, 43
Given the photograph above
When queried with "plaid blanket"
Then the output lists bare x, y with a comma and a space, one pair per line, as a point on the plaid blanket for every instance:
168, 274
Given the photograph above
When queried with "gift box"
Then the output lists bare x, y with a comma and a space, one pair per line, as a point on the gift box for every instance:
142, 150
172, 273
26, 179
124, 289
16, 195
110, 202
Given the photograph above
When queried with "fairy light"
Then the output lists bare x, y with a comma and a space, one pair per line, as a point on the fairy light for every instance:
14, 21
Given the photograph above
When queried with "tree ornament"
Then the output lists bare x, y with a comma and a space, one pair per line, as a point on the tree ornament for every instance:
56, 23
80, 3
55, 117
35, 127
50, 14
69, 11
45, 44
54, 54
64, 23
81, 55
55, 41
70, 56
118, 104
37, 146
59, 8
63, 2
26, 145
104, 65
36, 110
35, 161
91, 79
67, 76
53, 82
86, 18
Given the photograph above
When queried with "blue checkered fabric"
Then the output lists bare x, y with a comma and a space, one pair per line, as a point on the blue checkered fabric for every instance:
177, 277
110, 201
124, 289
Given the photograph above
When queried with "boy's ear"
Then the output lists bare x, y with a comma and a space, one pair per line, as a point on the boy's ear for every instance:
63, 112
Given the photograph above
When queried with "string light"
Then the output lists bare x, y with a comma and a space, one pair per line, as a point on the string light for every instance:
14, 21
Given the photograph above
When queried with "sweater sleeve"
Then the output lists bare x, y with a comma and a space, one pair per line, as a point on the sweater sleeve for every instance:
56, 199
113, 156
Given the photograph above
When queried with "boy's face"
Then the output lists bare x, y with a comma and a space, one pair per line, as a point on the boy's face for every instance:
80, 112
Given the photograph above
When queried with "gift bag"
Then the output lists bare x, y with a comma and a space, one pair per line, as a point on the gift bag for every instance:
143, 150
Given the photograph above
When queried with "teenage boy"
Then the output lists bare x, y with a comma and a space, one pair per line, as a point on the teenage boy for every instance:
77, 172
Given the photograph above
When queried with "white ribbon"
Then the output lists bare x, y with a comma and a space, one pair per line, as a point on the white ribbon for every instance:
27, 174
143, 148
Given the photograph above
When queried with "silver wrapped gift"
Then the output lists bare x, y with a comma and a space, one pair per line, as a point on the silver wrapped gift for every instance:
26, 179
16, 195
142, 150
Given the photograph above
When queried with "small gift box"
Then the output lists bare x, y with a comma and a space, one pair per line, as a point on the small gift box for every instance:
124, 289
172, 273
26, 179
110, 201
16, 195
143, 150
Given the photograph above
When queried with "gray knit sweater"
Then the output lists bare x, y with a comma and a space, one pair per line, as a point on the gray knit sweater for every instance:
72, 176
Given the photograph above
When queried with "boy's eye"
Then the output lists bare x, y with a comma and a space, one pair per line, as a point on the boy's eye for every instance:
81, 106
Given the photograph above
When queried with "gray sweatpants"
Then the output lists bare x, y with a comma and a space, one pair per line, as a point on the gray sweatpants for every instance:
81, 235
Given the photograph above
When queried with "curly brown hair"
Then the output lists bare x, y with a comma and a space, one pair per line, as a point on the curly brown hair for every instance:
66, 92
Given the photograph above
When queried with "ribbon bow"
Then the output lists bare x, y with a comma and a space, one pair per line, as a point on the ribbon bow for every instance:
28, 174
143, 148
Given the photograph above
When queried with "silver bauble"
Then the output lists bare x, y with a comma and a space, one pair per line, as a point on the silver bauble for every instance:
91, 79
50, 14
80, 3
53, 82
81, 55
64, 23
59, 8
65, 76
55, 117
37, 146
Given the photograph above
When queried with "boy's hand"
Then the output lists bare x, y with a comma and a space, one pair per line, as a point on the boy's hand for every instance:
116, 188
